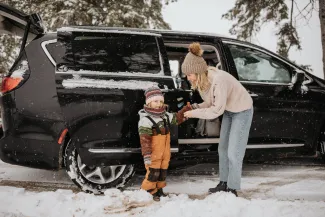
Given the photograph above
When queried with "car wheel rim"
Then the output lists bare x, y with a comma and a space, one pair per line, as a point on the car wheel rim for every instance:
100, 175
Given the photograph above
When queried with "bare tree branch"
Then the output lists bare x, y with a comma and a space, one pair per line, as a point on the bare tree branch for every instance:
310, 12
292, 1
301, 12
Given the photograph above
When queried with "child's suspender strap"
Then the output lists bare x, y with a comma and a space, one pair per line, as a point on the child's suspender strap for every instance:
155, 125
168, 124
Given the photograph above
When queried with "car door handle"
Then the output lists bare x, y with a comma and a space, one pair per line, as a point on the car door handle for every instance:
252, 94
173, 90
165, 90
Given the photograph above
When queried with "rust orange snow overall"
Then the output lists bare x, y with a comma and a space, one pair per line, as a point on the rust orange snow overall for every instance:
160, 157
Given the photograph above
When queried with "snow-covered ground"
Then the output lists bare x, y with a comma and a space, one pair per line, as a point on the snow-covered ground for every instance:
266, 191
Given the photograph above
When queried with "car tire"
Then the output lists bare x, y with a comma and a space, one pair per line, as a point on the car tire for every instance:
95, 179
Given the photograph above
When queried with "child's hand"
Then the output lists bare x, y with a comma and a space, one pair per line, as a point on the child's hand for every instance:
147, 159
188, 114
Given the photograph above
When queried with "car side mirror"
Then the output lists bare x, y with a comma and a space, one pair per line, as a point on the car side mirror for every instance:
297, 82
298, 78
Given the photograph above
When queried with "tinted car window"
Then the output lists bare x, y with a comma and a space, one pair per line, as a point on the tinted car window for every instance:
114, 53
56, 50
253, 65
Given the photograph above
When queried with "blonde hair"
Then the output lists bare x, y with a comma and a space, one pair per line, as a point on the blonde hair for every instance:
202, 82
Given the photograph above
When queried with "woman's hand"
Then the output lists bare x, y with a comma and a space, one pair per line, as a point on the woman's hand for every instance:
188, 114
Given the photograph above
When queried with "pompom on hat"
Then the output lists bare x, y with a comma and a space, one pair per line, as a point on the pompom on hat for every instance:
194, 62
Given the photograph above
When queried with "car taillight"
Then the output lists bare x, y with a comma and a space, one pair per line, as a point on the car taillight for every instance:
16, 77
9, 83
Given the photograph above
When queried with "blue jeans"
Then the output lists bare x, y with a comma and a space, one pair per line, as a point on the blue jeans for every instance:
232, 146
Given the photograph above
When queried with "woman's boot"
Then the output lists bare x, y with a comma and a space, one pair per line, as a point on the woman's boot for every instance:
222, 186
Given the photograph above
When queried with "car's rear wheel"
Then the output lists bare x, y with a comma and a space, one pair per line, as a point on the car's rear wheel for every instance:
95, 179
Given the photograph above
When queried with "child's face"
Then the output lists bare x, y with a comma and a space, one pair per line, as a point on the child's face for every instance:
156, 104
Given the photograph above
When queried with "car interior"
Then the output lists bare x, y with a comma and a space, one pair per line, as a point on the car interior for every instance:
176, 54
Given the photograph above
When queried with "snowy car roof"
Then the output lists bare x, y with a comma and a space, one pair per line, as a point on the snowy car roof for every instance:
108, 30
156, 32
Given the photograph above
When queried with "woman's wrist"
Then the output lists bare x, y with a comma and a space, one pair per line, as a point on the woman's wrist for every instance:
195, 106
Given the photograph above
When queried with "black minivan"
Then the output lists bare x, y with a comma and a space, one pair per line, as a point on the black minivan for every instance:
72, 98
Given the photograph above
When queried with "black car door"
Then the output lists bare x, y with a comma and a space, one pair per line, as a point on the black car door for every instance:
192, 139
283, 117
101, 82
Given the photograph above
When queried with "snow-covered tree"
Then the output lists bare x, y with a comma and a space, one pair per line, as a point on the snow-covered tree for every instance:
9, 48
57, 13
251, 15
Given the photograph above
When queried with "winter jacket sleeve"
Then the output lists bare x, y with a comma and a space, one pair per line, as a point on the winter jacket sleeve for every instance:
218, 106
178, 118
145, 134
203, 105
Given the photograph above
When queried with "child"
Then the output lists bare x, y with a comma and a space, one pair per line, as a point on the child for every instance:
154, 131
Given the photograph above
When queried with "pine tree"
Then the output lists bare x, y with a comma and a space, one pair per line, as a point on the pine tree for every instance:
250, 15
58, 13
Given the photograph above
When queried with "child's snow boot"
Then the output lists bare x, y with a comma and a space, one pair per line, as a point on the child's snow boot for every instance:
156, 196
161, 193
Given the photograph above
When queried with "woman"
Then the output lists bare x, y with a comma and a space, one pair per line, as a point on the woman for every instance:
222, 95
